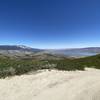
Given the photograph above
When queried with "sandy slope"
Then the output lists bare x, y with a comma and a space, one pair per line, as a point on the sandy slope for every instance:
52, 85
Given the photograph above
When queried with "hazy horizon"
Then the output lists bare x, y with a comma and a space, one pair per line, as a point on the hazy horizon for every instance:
48, 48
50, 24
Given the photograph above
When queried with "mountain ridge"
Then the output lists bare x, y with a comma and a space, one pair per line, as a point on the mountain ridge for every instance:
23, 50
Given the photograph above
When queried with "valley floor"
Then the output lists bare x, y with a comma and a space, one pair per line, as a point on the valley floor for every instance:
52, 85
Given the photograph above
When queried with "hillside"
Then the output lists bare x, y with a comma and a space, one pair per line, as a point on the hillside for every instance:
10, 67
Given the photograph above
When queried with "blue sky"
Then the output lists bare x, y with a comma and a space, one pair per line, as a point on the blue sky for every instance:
50, 23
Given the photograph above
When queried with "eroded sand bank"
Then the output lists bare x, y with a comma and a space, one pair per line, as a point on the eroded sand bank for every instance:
52, 85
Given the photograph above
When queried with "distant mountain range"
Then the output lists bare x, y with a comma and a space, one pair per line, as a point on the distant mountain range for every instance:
18, 47
21, 50
17, 50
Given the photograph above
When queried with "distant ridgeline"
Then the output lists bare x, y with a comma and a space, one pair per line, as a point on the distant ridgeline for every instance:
21, 50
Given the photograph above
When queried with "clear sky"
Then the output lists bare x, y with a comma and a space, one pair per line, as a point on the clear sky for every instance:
50, 23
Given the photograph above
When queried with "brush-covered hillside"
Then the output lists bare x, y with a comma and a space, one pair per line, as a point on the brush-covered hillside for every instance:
10, 67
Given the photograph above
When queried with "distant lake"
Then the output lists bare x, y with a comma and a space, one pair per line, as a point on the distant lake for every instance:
79, 53
75, 53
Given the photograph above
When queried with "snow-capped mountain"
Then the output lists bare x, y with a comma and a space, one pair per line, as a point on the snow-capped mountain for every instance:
18, 47
17, 50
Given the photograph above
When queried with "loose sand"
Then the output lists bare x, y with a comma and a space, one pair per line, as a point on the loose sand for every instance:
52, 85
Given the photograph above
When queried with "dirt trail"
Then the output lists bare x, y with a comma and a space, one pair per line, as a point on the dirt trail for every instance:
52, 85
